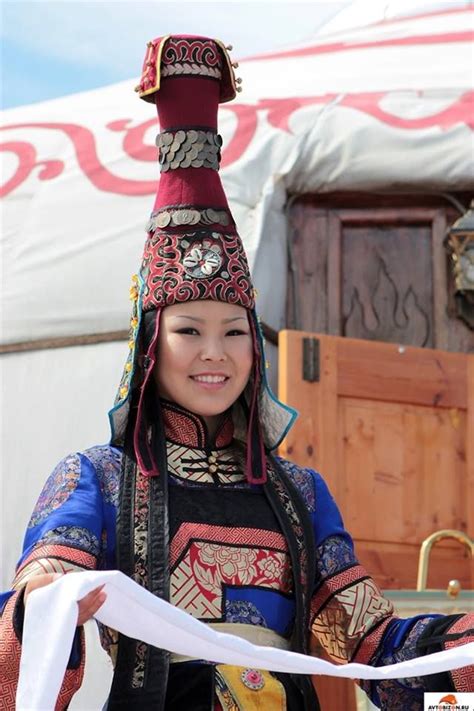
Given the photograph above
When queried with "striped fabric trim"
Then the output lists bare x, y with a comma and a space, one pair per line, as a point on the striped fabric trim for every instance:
370, 643
334, 584
53, 559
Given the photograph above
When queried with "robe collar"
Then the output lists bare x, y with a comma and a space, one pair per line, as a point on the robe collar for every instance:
185, 428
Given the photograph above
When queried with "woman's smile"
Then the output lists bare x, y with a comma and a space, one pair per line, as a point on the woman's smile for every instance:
210, 381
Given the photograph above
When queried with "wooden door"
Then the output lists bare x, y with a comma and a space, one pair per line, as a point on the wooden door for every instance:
391, 428
374, 267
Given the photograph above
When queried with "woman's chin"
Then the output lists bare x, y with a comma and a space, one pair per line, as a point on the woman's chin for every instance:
210, 405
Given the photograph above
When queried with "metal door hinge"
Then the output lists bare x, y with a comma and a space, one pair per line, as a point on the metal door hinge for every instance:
311, 360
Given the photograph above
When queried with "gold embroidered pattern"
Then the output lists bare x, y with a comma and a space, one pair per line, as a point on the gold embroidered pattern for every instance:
348, 617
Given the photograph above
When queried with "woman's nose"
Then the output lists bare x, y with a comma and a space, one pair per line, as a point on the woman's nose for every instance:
213, 349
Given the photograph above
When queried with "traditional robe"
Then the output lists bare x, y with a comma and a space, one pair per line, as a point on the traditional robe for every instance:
231, 563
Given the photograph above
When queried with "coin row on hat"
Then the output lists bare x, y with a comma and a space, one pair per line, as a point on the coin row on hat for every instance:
187, 216
192, 135
195, 150
189, 148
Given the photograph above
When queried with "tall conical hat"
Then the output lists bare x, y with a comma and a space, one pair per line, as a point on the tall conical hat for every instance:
193, 250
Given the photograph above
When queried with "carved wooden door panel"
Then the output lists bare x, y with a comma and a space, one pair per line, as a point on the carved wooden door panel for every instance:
377, 273
391, 428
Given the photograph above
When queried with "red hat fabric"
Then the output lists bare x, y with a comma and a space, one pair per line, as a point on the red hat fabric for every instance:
193, 250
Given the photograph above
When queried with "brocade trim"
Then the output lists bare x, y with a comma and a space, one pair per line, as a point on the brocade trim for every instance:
347, 607
192, 148
394, 693
54, 558
368, 646
73, 536
463, 678
106, 461
295, 523
393, 696
303, 480
244, 612
10, 653
186, 428
140, 542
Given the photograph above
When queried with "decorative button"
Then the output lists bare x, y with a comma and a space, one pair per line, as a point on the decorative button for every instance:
213, 468
252, 679
212, 458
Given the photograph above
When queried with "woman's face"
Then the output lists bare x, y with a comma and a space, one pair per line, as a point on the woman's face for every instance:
204, 356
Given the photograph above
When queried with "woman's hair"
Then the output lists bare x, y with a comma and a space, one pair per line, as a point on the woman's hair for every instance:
148, 329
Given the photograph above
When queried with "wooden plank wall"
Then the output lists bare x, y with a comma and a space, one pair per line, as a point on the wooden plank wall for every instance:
391, 428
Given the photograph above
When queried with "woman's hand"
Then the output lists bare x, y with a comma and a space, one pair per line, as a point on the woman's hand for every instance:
87, 607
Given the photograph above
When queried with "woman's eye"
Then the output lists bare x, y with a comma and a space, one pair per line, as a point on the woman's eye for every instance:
236, 332
189, 331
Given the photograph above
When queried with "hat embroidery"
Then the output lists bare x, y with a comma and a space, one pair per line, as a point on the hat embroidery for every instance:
186, 56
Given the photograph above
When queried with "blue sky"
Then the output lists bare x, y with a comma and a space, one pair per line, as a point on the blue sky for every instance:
54, 48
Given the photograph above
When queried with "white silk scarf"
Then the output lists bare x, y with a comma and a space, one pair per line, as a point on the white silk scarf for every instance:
50, 624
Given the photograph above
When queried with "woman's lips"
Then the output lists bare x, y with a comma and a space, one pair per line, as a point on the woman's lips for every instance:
210, 381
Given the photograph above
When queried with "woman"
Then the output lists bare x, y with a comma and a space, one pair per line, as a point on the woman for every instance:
188, 498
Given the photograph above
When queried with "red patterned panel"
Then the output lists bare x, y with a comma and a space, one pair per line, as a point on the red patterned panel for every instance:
188, 532
183, 427
10, 651
206, 558
463, 678
200, 578
72, 681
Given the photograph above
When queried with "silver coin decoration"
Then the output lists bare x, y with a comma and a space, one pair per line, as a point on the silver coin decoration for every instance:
187, 216
193, 148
